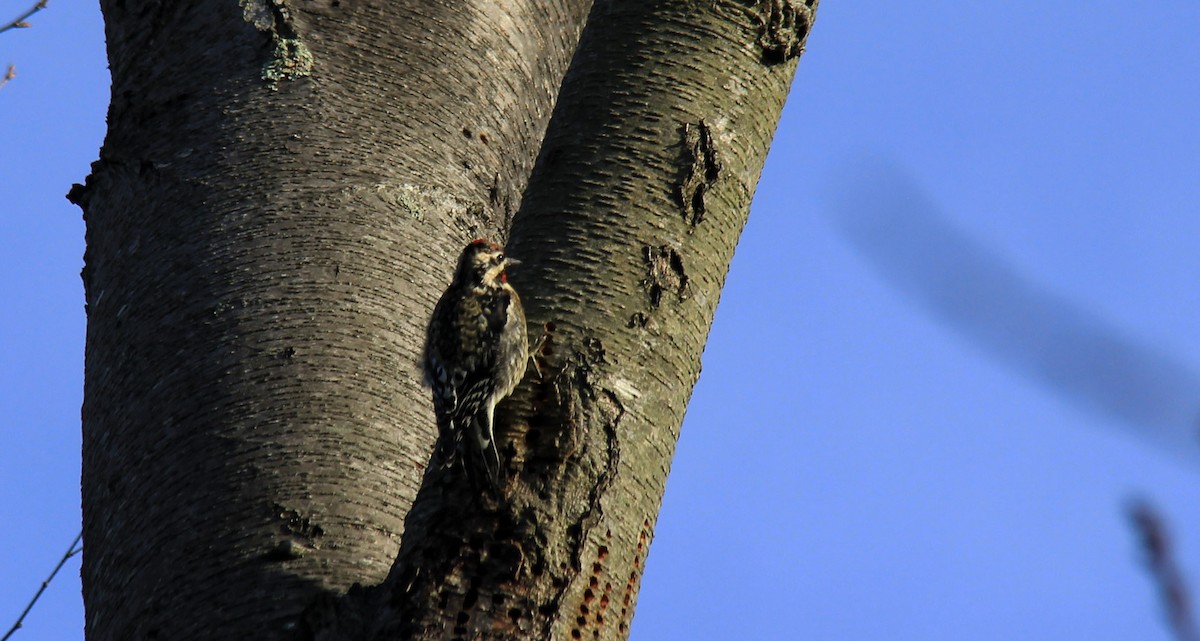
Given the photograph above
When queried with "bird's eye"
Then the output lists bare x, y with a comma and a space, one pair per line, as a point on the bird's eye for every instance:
500, 256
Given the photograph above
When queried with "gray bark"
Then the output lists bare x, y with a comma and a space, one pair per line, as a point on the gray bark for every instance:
278, 204
627, 229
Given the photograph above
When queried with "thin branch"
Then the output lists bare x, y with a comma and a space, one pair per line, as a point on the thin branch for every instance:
20, 22
71, 551
1160, 560
8, 75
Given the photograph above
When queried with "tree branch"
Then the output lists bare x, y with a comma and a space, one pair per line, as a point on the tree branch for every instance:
71, 551
1160, 560
20, 21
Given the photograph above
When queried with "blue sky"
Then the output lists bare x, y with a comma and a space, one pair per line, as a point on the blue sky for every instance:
852, 466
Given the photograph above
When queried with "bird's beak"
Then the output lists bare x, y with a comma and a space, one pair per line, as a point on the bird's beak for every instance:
509, 262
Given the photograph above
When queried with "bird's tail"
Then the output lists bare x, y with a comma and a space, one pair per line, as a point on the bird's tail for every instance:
473, 450
481, 459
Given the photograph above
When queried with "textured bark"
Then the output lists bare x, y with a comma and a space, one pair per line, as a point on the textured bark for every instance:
277, 205
641, 189
278, 202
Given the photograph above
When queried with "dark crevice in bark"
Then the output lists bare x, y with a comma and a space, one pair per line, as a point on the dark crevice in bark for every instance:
664, 273
702, 168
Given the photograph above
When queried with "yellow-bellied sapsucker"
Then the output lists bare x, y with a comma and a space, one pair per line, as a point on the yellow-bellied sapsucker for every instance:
476, 349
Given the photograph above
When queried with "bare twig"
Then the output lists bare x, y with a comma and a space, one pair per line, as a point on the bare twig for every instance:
21, 22
8, 75
71, 551
1156, 544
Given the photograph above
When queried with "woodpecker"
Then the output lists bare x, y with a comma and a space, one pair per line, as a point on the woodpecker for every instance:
476, 350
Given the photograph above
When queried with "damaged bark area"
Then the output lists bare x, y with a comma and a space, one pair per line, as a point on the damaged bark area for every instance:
702, 168
783, 27
664, 273
298, 535
474, 566
523, 551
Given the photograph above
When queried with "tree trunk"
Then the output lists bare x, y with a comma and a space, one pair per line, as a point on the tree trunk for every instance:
278, 204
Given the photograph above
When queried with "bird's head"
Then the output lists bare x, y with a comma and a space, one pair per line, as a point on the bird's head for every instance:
483, 263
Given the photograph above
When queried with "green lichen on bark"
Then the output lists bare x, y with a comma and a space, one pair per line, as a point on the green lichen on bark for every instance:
290, 59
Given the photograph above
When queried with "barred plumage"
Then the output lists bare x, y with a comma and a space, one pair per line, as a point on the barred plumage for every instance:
476, 350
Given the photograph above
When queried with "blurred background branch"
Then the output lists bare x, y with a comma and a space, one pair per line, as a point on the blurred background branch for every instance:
971, 288
1160, 560
22, 21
